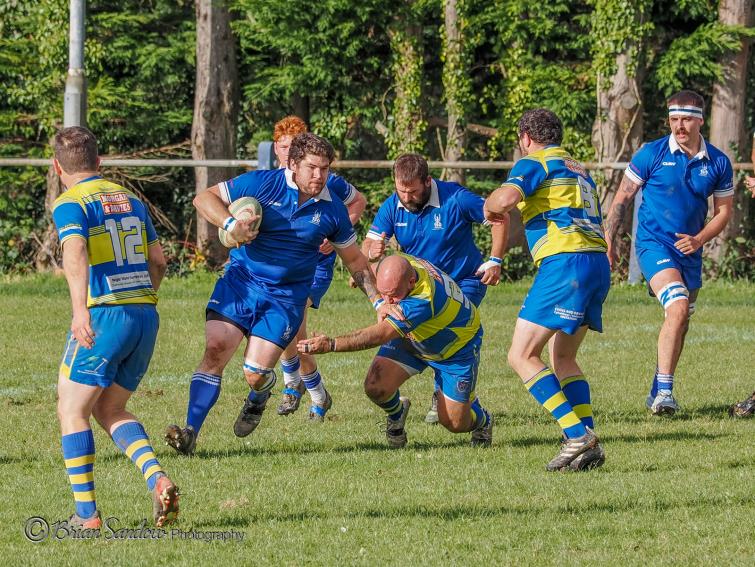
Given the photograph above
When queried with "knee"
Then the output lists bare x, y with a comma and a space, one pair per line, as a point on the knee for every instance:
514, 358
373, 388
214, 351
677, 315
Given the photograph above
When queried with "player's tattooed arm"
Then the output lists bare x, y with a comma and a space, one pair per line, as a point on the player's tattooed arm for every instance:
361, 339
357, 264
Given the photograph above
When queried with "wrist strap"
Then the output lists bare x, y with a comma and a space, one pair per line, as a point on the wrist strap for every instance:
377, 303
332, 345
229, 223
495, 260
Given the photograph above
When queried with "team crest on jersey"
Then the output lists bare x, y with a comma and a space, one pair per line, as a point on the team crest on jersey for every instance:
316, 218
704, 170
576, 167
437, 223
115, 203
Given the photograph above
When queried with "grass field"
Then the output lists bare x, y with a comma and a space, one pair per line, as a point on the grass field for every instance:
678, 490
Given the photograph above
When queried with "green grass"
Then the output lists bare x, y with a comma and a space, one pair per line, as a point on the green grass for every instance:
676, 490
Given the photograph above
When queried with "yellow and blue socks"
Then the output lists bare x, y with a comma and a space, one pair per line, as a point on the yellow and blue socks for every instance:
545, 388
203, 393
315, 387
392, 407
291, 376
577, 392
480, 416
78, 454
133, 441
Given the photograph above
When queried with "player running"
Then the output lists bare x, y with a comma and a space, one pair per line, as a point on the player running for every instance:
677, 175
562, 222
441, 330
262, 295
300, 372
433, 220
114, 264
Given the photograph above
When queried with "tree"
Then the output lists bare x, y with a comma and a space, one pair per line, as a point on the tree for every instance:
407, 132
727, 115
456, 82
618, 28
213, 134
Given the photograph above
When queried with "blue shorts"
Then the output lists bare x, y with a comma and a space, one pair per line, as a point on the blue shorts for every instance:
124, 340
456, 376
568, 292
653, 261
474, 290
322, 279
255, 313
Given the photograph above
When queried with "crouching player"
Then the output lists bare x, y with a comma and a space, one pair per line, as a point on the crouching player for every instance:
114, 265
441, 329
562, 222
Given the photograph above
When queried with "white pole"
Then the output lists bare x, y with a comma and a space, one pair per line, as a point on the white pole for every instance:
635, 274
75, 101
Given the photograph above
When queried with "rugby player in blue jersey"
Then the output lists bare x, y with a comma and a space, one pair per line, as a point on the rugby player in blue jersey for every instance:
441, 330
677, 175
114, 264
562, 221
300, 371
433, 220
262, 295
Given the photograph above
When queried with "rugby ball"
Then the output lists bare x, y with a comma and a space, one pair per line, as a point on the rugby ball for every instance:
241, 209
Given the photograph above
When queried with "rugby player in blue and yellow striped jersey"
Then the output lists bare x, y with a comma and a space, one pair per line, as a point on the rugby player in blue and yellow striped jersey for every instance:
562, 221
440, 328
114, 265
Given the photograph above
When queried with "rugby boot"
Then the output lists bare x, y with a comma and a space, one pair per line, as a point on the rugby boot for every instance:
165, 497
394, 428
432, 413
664, 404
590, 459
94, 522
249, 417
291, 399
182, 440
483, 437
571, 449
317, 412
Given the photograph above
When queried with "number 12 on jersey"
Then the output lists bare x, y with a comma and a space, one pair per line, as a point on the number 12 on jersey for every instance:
126, 240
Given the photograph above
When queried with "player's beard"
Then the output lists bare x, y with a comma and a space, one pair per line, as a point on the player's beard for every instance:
417, 206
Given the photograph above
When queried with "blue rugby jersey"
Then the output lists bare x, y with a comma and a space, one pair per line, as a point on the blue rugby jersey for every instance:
675, 190
560, 206
440, 320
345, 191
281, 261
118, 230
441, 232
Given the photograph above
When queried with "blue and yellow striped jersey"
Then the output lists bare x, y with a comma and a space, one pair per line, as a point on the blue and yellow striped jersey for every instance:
560, 205
118, 230
440, 320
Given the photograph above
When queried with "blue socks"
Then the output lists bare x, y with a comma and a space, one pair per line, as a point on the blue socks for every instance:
203, 393
133, 441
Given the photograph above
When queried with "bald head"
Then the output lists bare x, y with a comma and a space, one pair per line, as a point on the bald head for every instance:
395, 278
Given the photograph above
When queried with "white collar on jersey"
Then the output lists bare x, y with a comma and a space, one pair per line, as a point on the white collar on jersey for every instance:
674, 147
323, 196
433, 201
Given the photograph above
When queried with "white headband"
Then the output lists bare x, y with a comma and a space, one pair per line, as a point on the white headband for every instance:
685, 110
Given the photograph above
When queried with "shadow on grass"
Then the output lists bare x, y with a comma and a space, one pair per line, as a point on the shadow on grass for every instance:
628, 438
687, 413
482, 512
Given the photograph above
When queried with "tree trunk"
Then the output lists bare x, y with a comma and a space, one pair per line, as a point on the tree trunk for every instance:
301, 106
48, 254
456, 84
407, 133
617, 131
727, 115
213, 133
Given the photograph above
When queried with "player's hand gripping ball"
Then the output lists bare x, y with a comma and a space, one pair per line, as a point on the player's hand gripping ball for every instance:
241, 209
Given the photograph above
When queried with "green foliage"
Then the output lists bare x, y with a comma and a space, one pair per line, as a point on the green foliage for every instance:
619, 26
693, 59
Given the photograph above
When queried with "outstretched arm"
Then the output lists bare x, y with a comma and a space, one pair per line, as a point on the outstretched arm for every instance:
361, 339
357, 264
